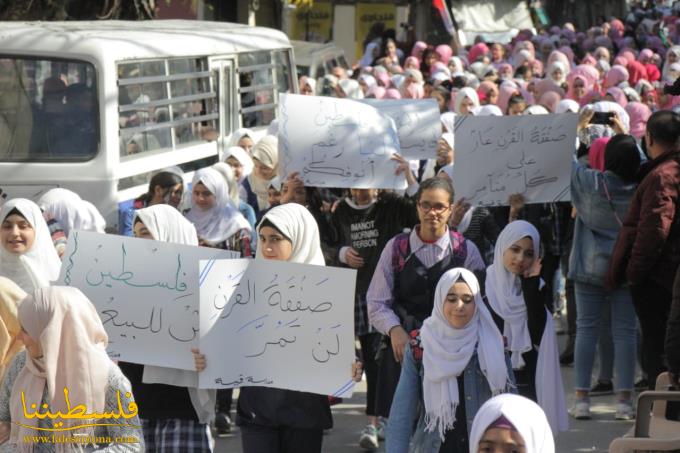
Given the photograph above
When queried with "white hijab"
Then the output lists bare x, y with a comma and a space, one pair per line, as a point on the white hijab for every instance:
166, 224
525, 415
237, 135
71, 211
242, 157
232, 185
469, 93
296, 223
223, 220
504, 293
40, 265
447, 352
267, 152
351, 88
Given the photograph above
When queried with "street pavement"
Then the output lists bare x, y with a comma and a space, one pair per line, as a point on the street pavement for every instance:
592, 435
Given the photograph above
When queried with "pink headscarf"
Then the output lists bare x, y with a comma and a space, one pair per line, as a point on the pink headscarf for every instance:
486, 88
569, 53
589, 60
506, 91
412, 63
571, 79
557, 55
413, 90
617, 25
445, 52
636, 71
376, 91
537, 67
392, 94
383, 79
543, 86
621, 61
549, 100
505, 68
476, 51
596, 153
616, 75
628, 55
639, 114
522, 57
417, 50
645, 55
618, 95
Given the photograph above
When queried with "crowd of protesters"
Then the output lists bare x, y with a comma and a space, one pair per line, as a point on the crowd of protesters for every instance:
456, 308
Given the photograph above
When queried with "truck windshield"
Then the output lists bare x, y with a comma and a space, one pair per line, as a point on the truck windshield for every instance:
48, 110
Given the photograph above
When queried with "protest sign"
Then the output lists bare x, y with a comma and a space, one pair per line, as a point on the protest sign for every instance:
146, 293
337, 143
277, 324
418, 124
496, 157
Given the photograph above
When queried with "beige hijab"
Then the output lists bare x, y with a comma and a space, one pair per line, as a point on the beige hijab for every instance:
267, 152
73, 341
10, 297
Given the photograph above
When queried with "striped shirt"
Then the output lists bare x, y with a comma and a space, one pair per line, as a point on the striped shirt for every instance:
380, 296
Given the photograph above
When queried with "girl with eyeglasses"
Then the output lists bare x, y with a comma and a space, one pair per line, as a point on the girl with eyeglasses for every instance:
459, 362
401, 293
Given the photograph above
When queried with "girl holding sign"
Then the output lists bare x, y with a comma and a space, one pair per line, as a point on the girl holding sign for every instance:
458, 360
174, 412
27, 254
515, 293
276, 420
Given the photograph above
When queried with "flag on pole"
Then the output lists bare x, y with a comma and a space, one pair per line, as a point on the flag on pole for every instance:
446, 15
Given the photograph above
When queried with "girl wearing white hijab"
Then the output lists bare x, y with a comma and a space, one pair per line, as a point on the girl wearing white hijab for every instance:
66, 349
233, 188
511, 422
27, 254
266, 160
460, 345
242, 138
466, 101
277, 420
71, 212
218, 222
515, 293
367, 83
184, 424
350, 89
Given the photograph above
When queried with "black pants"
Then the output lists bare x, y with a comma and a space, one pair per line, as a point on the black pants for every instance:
652, 303
263, 439
569, 293
224, 400
549, 265
369, 347
389, 371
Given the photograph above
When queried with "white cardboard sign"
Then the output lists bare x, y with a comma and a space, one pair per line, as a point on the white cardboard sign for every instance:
334, 142
277, 324
498, 156
146, 293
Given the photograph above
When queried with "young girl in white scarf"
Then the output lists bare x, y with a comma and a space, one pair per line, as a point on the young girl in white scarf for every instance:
175, 414
511, 423
27, 254
515, 293
463, 364
217, 220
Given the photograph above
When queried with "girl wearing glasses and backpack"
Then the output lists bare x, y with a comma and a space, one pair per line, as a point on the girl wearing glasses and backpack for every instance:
401, 293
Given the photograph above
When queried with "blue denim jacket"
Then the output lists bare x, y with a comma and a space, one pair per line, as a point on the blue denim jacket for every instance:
596, 226
408, 406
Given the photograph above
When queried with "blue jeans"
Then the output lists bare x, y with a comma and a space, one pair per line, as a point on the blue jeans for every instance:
591, 300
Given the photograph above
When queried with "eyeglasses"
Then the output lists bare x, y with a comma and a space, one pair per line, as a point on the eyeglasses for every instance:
437, 207
465, 298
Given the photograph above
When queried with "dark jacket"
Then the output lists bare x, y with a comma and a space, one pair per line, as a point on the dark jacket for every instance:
648, 246
673, 329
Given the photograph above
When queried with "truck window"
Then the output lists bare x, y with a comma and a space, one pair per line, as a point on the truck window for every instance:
48, 110
166, 104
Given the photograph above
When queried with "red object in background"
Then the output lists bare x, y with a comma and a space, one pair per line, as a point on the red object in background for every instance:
446, 15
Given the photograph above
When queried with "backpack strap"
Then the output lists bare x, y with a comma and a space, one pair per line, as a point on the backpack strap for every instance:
400, 248
458, 247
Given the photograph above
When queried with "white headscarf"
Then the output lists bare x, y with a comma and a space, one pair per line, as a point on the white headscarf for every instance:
608, 106
504, 293
232, 185
666, 70
296, 223
40, 265
488, 110
448, 137
166, 224
223, 220
525, 415
562, 67
448, 119
463, 93
447, 352
267, 152
238, 134
504, 290
567, 105
242, 157
369, 80
536, 110
351, 88
71, 211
